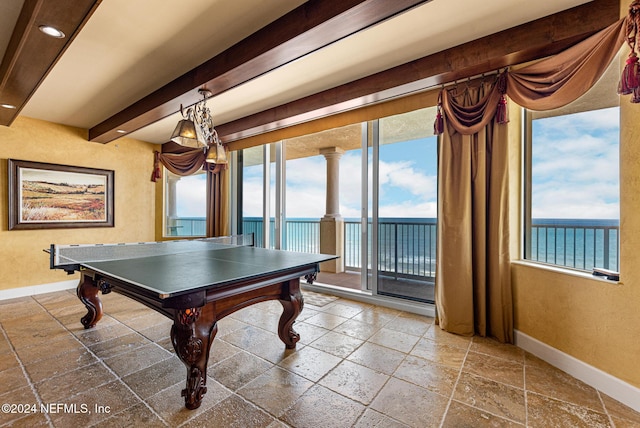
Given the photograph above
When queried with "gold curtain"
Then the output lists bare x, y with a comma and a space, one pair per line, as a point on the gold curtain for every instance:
217, 200
473, 283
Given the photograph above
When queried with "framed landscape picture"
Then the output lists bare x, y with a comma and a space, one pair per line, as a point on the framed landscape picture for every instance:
43, 195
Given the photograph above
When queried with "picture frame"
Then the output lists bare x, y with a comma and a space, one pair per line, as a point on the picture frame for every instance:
46, 196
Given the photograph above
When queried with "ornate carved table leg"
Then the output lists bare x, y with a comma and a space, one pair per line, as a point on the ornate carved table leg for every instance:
292, 308
192, 333
87, 292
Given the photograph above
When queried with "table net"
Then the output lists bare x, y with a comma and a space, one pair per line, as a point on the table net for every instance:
68, 257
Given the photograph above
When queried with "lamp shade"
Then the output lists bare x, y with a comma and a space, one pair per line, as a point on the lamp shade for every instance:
187, 134
216, 154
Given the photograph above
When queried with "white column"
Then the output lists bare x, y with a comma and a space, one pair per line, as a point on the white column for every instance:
333, 155
172, 205
332, 224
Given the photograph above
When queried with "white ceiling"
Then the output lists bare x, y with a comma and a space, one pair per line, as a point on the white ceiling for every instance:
129, 48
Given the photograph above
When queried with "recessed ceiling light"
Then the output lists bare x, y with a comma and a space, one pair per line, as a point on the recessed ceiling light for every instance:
51, 31
7, 106
121, 131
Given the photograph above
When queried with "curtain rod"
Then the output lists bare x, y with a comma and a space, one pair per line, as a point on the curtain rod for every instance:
474, 77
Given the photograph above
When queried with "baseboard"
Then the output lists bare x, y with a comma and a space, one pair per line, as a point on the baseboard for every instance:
615, 388
32, 290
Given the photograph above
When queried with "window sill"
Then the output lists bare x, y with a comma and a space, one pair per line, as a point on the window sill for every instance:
564, 271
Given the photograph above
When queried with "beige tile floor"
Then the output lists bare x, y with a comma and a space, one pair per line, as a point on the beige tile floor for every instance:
355, 365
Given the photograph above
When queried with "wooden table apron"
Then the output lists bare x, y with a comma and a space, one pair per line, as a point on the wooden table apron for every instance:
196, 313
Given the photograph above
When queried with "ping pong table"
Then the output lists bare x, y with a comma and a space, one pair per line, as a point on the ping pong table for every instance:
195, 283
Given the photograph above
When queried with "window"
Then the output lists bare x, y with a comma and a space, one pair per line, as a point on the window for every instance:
252, 197
572, 205
386, 176
185, 204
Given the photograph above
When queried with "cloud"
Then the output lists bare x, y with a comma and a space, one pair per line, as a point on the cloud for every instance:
575, 166
309, 171
191, 196
396, 176
576, 202
588, 121
252, 196
406, 191
306, 187
409, 209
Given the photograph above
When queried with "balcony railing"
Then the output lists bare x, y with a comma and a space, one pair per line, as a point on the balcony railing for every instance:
578, 244
300, 235
407, 247
186, 226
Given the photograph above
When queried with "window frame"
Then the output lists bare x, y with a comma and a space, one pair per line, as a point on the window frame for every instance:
527, 203
165, 208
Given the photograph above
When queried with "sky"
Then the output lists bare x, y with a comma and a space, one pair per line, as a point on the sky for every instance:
407, 181
575, 175
191, 195
575, 166
53, 176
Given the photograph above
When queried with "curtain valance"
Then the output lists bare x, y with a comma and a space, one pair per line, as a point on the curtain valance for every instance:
190, 162
182, 164
467, 117
561, 79
548, 84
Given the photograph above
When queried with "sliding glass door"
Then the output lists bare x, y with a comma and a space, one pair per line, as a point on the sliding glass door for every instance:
365, 191
405, 197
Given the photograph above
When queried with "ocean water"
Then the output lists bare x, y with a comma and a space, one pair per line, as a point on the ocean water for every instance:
576, 243
407, 246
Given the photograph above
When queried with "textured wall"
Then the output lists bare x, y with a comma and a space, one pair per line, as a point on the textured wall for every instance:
22, 261
597, 322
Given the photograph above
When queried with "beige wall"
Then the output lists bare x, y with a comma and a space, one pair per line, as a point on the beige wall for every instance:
592, 320
595, 321
22, 260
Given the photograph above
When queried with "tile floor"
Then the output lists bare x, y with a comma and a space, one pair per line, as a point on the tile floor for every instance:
355, 365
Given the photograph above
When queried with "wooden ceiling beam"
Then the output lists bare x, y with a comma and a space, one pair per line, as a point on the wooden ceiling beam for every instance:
31, 54
527, 42
311, 26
